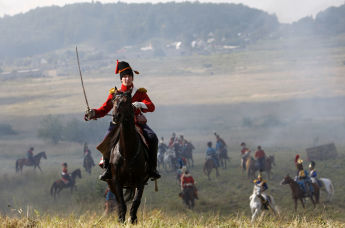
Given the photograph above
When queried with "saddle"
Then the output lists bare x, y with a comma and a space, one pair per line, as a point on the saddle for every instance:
111, 139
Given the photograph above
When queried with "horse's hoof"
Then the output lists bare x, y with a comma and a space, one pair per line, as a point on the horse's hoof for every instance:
134, 220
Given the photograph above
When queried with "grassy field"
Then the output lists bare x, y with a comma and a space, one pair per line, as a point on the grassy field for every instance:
223, 201
284, 97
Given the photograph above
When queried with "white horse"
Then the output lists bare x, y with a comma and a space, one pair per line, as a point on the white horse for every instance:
168, 160
327, 186
256, 205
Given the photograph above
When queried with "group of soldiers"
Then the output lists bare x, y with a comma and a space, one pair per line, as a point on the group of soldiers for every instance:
142, 104
259, 156
179, 145
303, 178
219, 151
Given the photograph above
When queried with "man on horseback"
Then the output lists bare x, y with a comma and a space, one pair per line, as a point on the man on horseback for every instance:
212, 154
187, 181
262, 184
66, 178
173, 140
260, 157
30, 156
142, 103
221, 146
162, 146
313, 174
302, 176
87, 151
244, 155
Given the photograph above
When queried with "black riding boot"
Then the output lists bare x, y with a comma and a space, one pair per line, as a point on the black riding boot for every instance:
107, 173
153, 173
264, 202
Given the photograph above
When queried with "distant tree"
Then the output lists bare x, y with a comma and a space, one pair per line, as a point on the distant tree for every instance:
51, 129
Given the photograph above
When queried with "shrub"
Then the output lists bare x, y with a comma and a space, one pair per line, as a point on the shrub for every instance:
6, 129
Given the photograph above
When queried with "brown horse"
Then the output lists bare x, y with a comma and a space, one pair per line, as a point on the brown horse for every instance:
88, 163
208, 166
298, 194
37, 159
188, 197
252, 168
58, 185
223, 158
128, 158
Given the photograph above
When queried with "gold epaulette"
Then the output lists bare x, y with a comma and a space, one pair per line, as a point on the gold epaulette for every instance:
142, 90
254, 181
112, 90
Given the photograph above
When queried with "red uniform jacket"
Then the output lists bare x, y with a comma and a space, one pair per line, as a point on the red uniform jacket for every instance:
137, 95
244, 150
259, 154
187, 180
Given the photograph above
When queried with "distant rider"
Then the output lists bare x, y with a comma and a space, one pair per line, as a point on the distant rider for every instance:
313, 174
30, 155
66, 178
187, 181
260, 157
221, 146
212, 154
302, 176
262, 184
244, 154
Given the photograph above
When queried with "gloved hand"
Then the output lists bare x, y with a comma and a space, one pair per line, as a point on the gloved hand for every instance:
90, 114
137, 104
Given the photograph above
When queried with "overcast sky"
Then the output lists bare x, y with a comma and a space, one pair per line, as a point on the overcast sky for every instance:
286, 10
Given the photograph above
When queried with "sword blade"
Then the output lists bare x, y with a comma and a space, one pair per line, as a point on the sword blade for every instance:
81, 79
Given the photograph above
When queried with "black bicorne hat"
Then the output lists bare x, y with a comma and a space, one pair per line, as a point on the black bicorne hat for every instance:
124, 68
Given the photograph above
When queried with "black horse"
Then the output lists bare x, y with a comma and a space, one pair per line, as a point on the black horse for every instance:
128, 158
88, 163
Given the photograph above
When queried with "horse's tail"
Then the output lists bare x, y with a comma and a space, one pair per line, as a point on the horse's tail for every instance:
331, 188
52, 188
317, 193
129, 194
273, 205
205, 168
17, 166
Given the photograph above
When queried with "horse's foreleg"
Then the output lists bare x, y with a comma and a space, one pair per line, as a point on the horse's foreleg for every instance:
136, 204
312, 200
39, 168
121, 205
256, 211
302, 203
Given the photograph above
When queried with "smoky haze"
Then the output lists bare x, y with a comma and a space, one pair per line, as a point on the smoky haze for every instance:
248, 78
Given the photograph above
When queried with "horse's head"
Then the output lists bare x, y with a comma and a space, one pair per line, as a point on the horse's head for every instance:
286, 180
41, 155
76, 173
270, 160
123, 109
44, 155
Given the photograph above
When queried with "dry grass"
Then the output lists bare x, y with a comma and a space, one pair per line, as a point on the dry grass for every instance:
157, 218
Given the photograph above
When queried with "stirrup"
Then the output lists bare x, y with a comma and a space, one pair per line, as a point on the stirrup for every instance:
106, 175
154, 175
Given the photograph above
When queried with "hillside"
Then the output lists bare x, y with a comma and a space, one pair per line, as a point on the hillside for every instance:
113, 26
